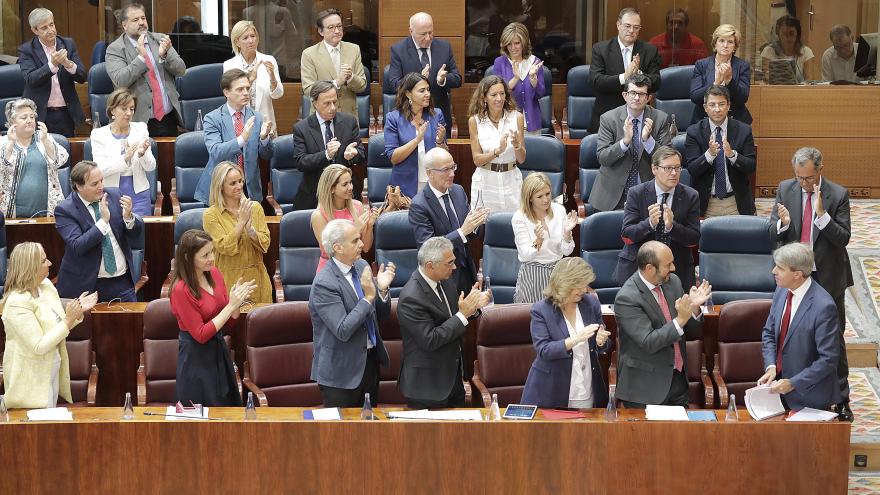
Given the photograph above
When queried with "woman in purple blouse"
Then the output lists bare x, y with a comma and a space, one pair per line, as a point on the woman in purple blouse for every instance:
523, 73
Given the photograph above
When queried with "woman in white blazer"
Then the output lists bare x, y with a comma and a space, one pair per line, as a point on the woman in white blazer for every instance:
262, 69
35, 366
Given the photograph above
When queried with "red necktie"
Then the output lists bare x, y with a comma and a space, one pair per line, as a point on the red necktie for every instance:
664, 307
786, 317
807, 222
158, 96
238, 123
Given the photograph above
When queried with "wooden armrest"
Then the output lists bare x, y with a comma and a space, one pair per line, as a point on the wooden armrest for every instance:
708, 386
166, 285
722, 387
234, 368
175, 202
468, 392
454, 125
484, 394
270, 198
566, 132
276, 282
372, 122
144, 277
576, 195
92, 389
160, 201
141, 382
252, 387
557, 129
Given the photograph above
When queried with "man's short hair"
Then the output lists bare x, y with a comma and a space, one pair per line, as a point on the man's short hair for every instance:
320, 87
648, 255
123, 12
433, 249
639, 81
229, 76
325, 14
716, 90
662, 153
678, 10
80, 171
837, 31
804, 154
334, 233
796, 256
39, 16
627, 10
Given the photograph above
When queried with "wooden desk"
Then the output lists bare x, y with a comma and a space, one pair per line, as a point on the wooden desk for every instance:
280, 453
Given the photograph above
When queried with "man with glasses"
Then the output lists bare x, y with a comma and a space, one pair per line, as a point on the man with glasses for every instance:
628, 136
815, 211
720, 155
442, 208
661, 210
332, 59
616, 60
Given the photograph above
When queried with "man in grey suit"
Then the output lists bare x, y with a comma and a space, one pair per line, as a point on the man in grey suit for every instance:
628, 136
346, 305
815, 211
651, 331
146, 64
433, 320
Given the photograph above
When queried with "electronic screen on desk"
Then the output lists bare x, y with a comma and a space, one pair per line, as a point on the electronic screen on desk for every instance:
520, 411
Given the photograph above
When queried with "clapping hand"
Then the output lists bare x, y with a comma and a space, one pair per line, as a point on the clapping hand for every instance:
784, 215
248, 128
240, 292
667, 217
502, 143
350, 150
244, 212
87, 301
385, 276
141, 45
728, 151
441, 134
654, 214
125, 204
540, 232
332, 147
820, 208
73, 311
699, 295
441, 75
105, 209
164, 45
633, 67
474, 219
647, 128
714, 148
602, 335
367, 284
268, 128
143, 147
426, 70
475, 300
533, 70
683, 309
345, 74
516, 140
421, 129
571, 220
586, 333
723, 73
627, 131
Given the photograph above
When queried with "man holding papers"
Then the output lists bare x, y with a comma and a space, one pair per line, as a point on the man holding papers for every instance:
800, 337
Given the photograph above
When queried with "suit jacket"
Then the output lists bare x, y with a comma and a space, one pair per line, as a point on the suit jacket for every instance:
82, 242
309, 153
38, 76
316, 65
127, 70
644, 365
431, 336
339, 329
405, 59
549, 377
704, 76
398, 132
428, 218
606, 67
637, 230
810, 351
833, 271
222, 145
614, 163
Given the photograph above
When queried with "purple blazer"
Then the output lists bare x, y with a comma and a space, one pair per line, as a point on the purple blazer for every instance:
525, 96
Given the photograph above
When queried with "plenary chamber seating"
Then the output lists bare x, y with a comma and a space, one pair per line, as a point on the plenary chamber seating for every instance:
100, 87
674, 95
378, 169
190, 158
389, 95
678, 143
580, 105
394, 241
156, 196
739, 362
546, 154
588, 171
500, 258
199, 89
366, 122
504, 354
81, 355
298, 255
389, 329
736, 256
190, 219
11, 88
549, 126
600, 245
284, 177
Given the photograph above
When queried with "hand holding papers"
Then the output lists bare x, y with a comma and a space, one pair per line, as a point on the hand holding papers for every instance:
762, 403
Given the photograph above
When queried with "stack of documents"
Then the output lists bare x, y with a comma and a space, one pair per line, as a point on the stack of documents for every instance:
50, 414
810, 414
326, 414
762, 403
665, 413
171, 414
454, 415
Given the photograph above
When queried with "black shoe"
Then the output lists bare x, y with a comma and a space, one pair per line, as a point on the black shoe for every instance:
844, 413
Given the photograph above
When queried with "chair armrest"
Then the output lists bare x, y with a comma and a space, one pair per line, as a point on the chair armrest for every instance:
276, 282
722, 387
372, 122
576, 195
454, 134
270, 198
160, 201
468, 393
141, 382
175, 202
92, 389
144, 277
566, 132
557, 129
485, 396
235, 370
166, 285
252, 387
708, 386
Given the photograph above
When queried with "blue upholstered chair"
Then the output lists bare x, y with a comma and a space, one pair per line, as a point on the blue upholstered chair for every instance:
298, 256
500, 260
581, 101
99, 52
189, 219
199, 89
674, 95
11, 88
736, 256
190, 157
395, 242
378, 169
100, 87
363, 107
545, 154
600, 245
389, 93
678, 143
548, 123
139, 264
156, 196
284, 177
588, 170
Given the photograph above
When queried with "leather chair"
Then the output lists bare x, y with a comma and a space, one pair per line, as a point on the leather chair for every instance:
581, 101
190, 158
11, 88
99, 52
389, 329
81, 356
366, 121
588, 171
545, 154
739, 362
189, 219
378, 169
500, 257
600, 245
284, 177
199, 89
298, 256
549, 126
736, 256
394, 241
678, 143
100, 87
278, 356
674, 95
156, 196
504, 354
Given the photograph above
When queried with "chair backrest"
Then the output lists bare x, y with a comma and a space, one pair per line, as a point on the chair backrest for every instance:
740, 358
363, 106
736, 256
678, 142
11, 88
278, 349
500, 257
545, 102
588, 169
100, 87
395, 241
199, 89
189, 219
389, 328
190, 158
600, 245
79, 354
152, 175
545, 154
298, 255
674, 96
160, 352
99, 52
696, 390
504, 351
283, 174
64, 143
581, 101
378, 168
389, 92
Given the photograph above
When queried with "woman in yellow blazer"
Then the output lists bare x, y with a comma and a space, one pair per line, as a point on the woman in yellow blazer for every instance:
35, 366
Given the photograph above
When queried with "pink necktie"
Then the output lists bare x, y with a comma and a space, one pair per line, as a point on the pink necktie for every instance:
158, 96
238, 123
664, 307
807, 221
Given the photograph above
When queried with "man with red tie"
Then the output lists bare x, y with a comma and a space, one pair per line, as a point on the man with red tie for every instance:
815, 211
800, 338
653, 315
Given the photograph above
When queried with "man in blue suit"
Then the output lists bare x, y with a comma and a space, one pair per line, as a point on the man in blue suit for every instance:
50, 66
431, 57
430, 214
97, 227
800, 339
230, 135
346, 305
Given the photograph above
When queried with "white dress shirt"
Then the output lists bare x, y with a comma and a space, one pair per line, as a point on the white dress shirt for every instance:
580, 391
443, 205
105, 229
627, 53
796, 299
711, 159
434, 287
56, 99
818, 222
553, 248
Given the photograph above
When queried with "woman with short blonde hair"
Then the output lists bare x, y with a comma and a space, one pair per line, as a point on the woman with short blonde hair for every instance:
523, 72
262, 69
723, 68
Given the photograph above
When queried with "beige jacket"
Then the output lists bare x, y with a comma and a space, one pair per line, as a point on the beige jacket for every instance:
317, 66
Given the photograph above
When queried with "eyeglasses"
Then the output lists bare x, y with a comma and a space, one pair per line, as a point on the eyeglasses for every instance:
335, 27
631, 27
446, 170
802, 180
670, 170
637, 94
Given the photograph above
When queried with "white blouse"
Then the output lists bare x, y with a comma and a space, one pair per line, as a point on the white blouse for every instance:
261, 92
107, 152
553, 248
581, 388
489, 136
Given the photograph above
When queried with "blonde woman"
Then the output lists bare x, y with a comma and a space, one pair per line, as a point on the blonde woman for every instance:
335, 202
262, 69
523, 72
36, 370
238, 228
723, 68
543, 234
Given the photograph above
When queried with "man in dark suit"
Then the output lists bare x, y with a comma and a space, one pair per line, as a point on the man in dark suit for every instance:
325, 137
346, 305
616, 60
421, 53
433, 319
815, 211
664, 210
800, 338
720, 155
653, 313
628, 136
97, 227
430, 214
50, 66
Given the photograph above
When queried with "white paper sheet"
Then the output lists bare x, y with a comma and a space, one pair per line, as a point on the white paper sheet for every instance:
326, 414
810, 414
50, 414
666, 413
173, 415
762, 403
424, 414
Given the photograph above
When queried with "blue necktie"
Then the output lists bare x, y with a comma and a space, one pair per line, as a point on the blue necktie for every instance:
720, 165
106, 245
371, 325
423, 58
635, 148
328, 134
453, 219
660, 234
